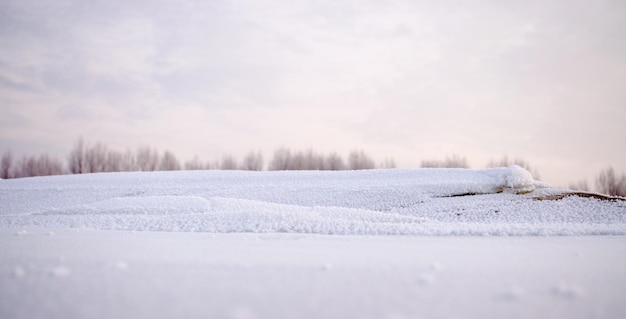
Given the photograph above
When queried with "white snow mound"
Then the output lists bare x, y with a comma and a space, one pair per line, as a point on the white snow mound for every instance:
513, 178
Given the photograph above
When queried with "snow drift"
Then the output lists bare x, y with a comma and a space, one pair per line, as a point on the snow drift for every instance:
497, 201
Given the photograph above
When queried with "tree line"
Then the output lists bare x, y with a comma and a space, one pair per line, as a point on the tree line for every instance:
96, 158
84, 158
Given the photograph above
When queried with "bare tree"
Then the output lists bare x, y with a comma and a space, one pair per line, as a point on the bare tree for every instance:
228, 163
285, 159
147, 159
334, 162
281, 160
609, 183
298, 162
25, 167
212, 165
30, 166
452, 161
114, 162
316, 161
169, 162
91, 159
77, 162
253, 161
5, 165
46, 165
194, 165
360, 160
96, 158
306, 160
129, 161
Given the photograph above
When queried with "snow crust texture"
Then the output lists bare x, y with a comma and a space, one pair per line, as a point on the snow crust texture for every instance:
498, 201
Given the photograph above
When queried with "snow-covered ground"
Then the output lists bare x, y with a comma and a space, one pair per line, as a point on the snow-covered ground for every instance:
499, 201
422, 243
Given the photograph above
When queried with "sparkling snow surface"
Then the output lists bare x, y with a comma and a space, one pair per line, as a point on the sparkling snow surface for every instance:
353, 244
499, 201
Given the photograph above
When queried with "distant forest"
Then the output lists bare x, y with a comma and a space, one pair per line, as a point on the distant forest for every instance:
96, 158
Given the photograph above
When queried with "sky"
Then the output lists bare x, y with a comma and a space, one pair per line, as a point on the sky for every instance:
410, 80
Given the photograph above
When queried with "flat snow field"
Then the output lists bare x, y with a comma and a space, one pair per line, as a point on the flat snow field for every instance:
438, 243
119, 274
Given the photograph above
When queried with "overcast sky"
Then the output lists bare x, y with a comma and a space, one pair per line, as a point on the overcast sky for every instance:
409, 80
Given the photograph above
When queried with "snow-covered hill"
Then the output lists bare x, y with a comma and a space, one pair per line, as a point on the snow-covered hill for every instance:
498, 201
244, 245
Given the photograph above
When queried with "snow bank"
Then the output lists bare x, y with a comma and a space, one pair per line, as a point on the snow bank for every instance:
498, 201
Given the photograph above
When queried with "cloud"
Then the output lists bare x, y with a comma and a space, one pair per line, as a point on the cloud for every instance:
473, 77
10, 119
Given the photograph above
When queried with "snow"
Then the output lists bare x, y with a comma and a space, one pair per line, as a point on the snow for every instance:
498, 201
399, 243
79, 273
